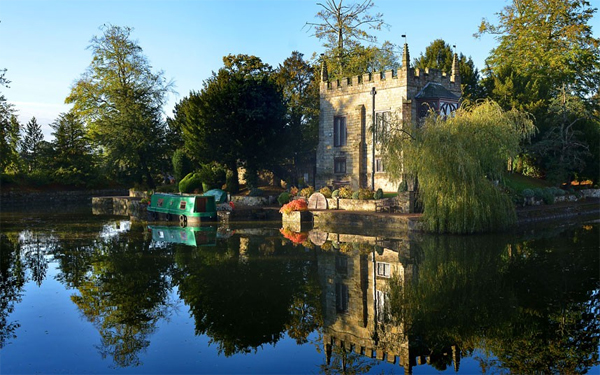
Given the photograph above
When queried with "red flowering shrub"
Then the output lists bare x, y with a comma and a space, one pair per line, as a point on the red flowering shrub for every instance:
295, 205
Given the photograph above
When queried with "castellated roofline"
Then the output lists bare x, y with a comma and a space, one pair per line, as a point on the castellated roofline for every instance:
403, 75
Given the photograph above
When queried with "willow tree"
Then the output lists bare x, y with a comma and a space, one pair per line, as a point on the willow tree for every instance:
459, 162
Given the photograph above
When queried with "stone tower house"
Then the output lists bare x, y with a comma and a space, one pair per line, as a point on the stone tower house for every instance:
345, 154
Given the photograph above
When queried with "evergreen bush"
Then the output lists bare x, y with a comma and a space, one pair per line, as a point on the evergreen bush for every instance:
190, 183
355, 195
335, 193
527, 193
378, 194
283, 198
345, 192
182, 164
364, 194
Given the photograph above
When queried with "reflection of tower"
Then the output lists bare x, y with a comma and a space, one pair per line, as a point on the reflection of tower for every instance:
355, 277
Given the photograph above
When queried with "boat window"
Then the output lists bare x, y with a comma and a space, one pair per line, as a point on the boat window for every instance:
160, 202
182, 205
201, 204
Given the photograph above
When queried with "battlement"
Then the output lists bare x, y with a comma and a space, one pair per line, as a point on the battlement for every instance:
389, 78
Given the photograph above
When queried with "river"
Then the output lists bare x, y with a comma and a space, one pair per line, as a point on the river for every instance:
83, 293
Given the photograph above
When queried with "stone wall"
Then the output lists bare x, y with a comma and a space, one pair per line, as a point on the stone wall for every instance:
351, 98
14, 199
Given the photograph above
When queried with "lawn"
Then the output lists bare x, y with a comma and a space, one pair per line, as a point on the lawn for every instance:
518, 182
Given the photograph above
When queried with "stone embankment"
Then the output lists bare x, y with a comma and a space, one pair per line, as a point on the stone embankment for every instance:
18, 199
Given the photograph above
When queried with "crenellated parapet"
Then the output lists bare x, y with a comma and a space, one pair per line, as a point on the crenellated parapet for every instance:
411, 77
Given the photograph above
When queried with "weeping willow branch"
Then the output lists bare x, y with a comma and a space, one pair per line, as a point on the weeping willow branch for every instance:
459, 162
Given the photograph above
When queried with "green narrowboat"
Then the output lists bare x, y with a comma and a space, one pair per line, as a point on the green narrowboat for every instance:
192, 236
187, 209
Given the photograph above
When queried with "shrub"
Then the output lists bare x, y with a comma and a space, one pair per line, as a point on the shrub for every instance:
295, 205
403, 187
326, 191
548, 196
335, 193
190, 183
378, 194
538, 193
345, 192
364, 194
355, 195
232, 184
283, 198
251, 178
527, 193
182, 164
213, 176
293, 191
557, 192
307, 192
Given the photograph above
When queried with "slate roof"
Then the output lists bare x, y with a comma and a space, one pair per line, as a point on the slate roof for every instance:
435, 91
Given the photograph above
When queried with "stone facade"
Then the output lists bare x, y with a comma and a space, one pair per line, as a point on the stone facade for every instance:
345, 156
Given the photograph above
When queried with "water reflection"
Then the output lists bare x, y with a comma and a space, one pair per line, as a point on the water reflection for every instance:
513, 303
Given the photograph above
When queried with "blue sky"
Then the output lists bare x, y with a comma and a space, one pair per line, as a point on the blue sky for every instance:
43, 43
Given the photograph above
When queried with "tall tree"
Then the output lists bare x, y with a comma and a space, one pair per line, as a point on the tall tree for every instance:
545, 47
300, 87
439, 55
30, 144
238, 118
343, 28
73, 160
549, 40
121, 99
9, 129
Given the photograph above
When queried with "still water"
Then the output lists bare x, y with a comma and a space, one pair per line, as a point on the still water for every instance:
99, 294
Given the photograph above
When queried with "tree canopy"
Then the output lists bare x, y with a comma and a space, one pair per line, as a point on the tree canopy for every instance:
121, 99
458, 161
237, 119
343, 28
547, 51
439, 55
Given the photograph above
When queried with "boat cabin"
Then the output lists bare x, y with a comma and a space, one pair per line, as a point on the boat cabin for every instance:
185, 208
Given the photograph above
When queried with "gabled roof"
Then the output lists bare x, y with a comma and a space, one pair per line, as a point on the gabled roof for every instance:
434, 90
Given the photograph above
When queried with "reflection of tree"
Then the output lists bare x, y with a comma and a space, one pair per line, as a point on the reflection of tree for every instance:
244, 293
534, 304
346, 362
125, 294
12, 278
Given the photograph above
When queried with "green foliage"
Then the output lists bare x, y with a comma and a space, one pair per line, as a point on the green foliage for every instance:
120, 99
251, 177
527, 193
9, 133
307, 192
283, 198
335, 193
212, 175
457, 160
326, 191
403, 186
355, 195
30, 144
345, 192
364, 194
378, 194
182, 164
342, 28
241, 109
439, 55
231, 181
190, 183
300, 87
